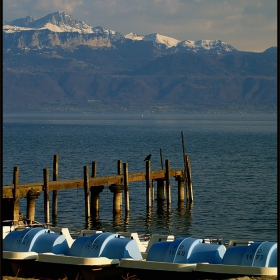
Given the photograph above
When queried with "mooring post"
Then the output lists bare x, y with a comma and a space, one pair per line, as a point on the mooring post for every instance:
160, 189
94, 201
86, 191
117, 191
183, 148
16, 196
148, 184
152, 192
126, 187
54, 192
181, 188
31, 201
120, 172
189, 179
161, 160
93, 169
46, 195
167, 178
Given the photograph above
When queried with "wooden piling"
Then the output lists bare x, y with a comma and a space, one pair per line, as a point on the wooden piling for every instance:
94, 201
148, 184
117, 191
46, 195
54, 192
93, 169
15, 195
120, 172
167, 178
183, 148
160, 190
11, 193
181, 188
126, 187
189, 179
86, 192
31, 202
153, 192
161, 160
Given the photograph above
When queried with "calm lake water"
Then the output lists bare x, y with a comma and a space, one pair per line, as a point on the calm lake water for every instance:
233, 162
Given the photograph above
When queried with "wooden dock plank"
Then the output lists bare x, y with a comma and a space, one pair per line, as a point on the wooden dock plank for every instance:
23, 188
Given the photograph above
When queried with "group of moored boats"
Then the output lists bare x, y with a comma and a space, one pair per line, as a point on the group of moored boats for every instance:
53, 253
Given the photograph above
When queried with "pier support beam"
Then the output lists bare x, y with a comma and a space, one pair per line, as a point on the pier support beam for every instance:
46, 195
167, 178
93, 169
94, 200
117, 190
126, 187
54, 192
16, 216
181, 188
31, 209
160, 189
148, 184
86, 193
120, 172
189, 179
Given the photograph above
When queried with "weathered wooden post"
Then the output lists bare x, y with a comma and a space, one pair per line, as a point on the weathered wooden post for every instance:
93, 169
120, 172
148, 184
16, 217
31, 201
152, 192
117, 191
94, 200
160, 189
54, 192
189, 179
46, 196
95, 194
161, 160
181, 186
126, 187
183, 148
167, 178
86, 192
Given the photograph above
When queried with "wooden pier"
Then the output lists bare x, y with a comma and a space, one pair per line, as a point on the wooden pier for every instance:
93, 186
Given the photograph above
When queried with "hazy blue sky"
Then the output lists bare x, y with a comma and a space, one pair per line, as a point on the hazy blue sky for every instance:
248, 25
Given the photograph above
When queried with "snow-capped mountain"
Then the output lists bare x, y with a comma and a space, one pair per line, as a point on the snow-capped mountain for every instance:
208, 46
158, 39
56, 22
63, 30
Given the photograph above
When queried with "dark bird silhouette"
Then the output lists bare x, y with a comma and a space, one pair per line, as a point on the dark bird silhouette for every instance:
148, 157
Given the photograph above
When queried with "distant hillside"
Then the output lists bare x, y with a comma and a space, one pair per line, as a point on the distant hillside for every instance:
60, 64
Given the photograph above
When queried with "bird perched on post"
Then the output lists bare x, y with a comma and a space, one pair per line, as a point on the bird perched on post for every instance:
148, 157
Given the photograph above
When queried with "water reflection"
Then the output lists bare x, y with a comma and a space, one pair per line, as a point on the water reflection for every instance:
184, 218
149, 219
117, 221
161, 217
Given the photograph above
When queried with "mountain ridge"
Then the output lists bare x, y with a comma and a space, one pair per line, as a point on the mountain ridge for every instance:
101, 71
61, 22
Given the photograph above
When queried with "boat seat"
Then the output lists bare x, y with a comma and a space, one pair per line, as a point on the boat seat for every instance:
88, 232
239, 243
65, 232
134, 235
